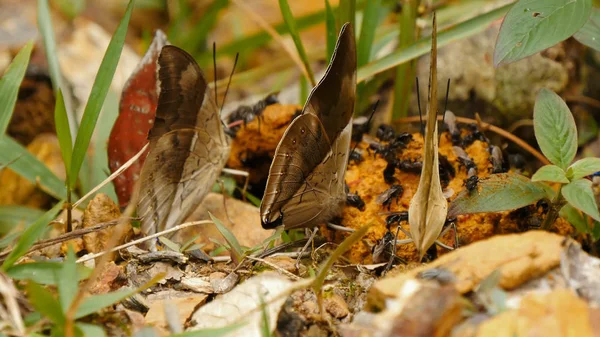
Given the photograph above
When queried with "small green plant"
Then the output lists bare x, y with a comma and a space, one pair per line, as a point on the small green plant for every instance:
556, 133
54, 307
534, 25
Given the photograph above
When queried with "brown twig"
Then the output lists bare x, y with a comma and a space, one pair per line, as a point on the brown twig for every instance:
65, 237
492, 128
583, 99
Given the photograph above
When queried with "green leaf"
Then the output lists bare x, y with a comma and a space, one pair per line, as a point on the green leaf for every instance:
98, 94
331, 30
574, 217
290, 22
499, 192
44, 272
44, 302
95, 303
554, 128
589, 34
423, 46
12, 216
90, 330
583, 167
534, 25
66, 280
367, 31
30, 236
227, 183
580, 195
550, 173
595, 231
30, 168
236, 249
63, 131
10, 84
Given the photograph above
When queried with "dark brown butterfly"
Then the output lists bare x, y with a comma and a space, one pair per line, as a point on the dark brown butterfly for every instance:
188, 146
305, 186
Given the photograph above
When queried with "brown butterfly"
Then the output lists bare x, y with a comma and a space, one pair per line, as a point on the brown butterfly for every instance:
305, 186
188, 146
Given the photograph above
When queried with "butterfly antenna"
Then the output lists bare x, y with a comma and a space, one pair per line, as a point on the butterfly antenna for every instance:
237, 55
215, 71
420, 112
446, 104
368, 122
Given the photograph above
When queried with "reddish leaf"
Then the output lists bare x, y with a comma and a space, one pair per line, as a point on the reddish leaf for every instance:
137, 110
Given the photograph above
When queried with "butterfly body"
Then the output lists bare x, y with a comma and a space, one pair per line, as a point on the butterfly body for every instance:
306, 186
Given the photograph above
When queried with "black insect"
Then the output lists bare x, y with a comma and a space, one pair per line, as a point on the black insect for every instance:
385, 133
389, 171
360, 126
447, 171
497, 160
517, 161
471, 183
355, 156
385, 199
384, 248
465, 160
450, 121
409, 166
475, 134
543, 204
396, 217
247, 113
354, 200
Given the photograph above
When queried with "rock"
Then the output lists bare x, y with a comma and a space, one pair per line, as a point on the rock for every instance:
559, 313
336, 306
245, 227
184, 308
520, 257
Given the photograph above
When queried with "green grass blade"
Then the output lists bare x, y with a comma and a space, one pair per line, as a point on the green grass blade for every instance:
63, 131
423, 46
367, 31
44, 302
66, 280
47, 32
30, 236
10, 84
44, 272
13, 215
30, 168
196, 39
290, 22
347, 13
95, 303
331, 29
304, 89
98, 94
236, 249
405, 73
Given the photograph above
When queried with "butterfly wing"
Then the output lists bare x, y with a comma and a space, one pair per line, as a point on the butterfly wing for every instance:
306, 180
188, 147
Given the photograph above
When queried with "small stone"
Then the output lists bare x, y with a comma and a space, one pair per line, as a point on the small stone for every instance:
336, 306
185, 307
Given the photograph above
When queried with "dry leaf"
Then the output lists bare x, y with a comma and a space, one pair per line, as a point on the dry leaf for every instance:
428, 207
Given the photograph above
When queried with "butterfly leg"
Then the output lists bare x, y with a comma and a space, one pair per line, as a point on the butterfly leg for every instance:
451, 225
308, 243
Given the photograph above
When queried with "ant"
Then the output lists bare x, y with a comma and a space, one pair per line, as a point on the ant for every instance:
247, 113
